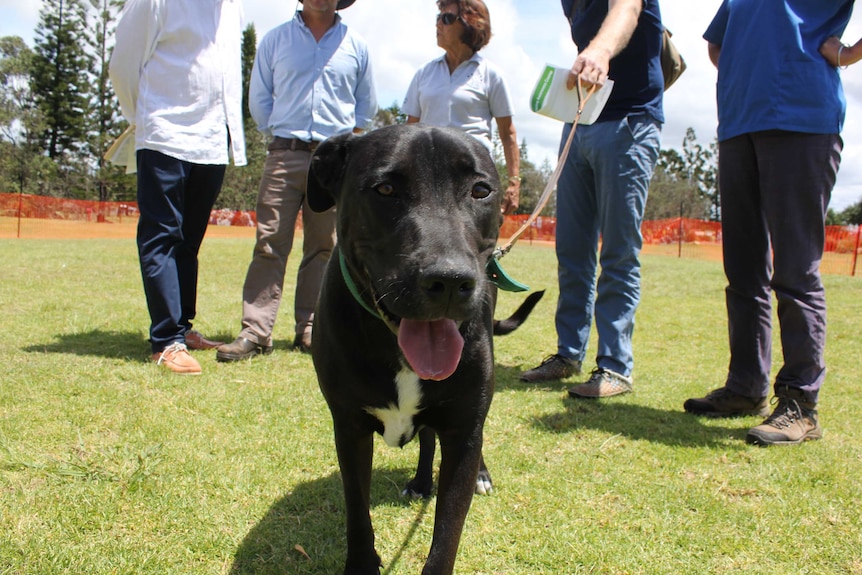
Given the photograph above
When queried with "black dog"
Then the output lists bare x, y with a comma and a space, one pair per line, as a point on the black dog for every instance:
403, 329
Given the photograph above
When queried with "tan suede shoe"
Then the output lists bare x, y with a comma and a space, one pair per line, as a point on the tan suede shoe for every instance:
176, 357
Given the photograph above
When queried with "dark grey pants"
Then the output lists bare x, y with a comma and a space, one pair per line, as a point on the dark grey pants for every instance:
775, 188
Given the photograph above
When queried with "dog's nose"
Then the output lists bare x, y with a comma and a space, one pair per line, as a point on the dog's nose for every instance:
448, 285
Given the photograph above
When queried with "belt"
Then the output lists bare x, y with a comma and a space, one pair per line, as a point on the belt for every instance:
292, 144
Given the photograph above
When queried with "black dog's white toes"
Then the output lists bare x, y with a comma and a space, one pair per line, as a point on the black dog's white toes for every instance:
483, 484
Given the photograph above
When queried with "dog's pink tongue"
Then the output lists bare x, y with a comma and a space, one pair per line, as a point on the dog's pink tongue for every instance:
432, 348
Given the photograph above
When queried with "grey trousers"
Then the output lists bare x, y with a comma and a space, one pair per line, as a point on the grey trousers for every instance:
775, 188
280, 198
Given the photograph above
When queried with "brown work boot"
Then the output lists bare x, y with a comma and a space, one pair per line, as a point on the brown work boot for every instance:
602, 383
176, 357
195, 340
722, 402
793, 421
552, 368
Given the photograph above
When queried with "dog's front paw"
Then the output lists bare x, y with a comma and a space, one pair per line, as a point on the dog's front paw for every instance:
483, 483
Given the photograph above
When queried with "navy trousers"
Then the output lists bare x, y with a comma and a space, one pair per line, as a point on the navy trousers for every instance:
775, 189
175, 199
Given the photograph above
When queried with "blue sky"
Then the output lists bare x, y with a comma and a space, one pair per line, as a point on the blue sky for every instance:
527, 35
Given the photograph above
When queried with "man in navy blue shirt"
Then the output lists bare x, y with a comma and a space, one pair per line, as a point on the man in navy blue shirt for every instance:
602, 192
780, 112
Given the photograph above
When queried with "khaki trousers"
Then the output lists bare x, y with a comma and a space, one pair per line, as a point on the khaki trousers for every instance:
281, 197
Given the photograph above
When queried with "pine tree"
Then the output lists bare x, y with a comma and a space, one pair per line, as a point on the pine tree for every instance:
105, 122
61, 70
249, 49
21, 162
239, 189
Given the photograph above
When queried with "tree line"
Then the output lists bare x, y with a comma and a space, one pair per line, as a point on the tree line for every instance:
59, 115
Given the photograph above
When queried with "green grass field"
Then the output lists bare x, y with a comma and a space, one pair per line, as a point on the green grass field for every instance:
110, 465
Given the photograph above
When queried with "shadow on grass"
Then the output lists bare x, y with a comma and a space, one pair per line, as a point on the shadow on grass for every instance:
304, 531
116, 344
620, 417
97, 342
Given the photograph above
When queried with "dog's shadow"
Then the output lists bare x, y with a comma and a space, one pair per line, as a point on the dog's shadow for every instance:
303, 532
638, 422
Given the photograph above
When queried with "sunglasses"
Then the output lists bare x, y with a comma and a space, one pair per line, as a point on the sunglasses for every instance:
447, 18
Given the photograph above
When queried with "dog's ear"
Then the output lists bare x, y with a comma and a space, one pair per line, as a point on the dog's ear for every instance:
325, 172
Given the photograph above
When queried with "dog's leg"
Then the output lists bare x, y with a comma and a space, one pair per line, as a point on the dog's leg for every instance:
423, 482
355, 453
459, 467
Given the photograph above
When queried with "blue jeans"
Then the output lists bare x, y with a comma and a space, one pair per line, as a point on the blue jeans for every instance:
775, 189
602, 192
175, 199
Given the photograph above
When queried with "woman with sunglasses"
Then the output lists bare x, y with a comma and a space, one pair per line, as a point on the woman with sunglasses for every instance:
463, 90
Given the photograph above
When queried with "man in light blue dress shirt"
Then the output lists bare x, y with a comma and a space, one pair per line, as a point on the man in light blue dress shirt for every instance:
311, 80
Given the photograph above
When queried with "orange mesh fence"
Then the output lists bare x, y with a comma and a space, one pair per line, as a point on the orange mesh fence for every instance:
28, 216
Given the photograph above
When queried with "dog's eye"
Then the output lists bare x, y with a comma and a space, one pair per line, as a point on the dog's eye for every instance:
385, 189
480, 191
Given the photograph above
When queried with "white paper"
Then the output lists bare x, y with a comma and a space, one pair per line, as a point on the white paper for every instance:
551, 97
122, 151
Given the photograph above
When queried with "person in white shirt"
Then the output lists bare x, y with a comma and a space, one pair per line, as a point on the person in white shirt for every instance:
177, 72
463, 90
311, 80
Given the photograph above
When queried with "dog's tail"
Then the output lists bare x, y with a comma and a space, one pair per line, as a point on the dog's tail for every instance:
514, 321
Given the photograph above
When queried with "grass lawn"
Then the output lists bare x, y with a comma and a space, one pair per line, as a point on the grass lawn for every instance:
109, 465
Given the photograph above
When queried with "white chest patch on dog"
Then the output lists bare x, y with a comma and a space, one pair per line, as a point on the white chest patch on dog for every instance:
397, 419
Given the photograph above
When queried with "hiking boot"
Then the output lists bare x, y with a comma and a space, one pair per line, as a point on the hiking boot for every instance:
241, 348
722, 402
552, 368
195, 340
176, 357
793, 421
602, 383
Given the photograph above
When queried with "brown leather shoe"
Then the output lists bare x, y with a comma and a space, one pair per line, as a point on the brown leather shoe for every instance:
196, 340
302, 341
176, 357
241, 348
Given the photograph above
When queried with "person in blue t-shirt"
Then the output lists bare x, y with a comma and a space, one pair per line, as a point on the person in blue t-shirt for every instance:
602, 192
839, 54
780, 112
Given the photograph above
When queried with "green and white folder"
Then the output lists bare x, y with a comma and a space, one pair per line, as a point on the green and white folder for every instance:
551, 97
